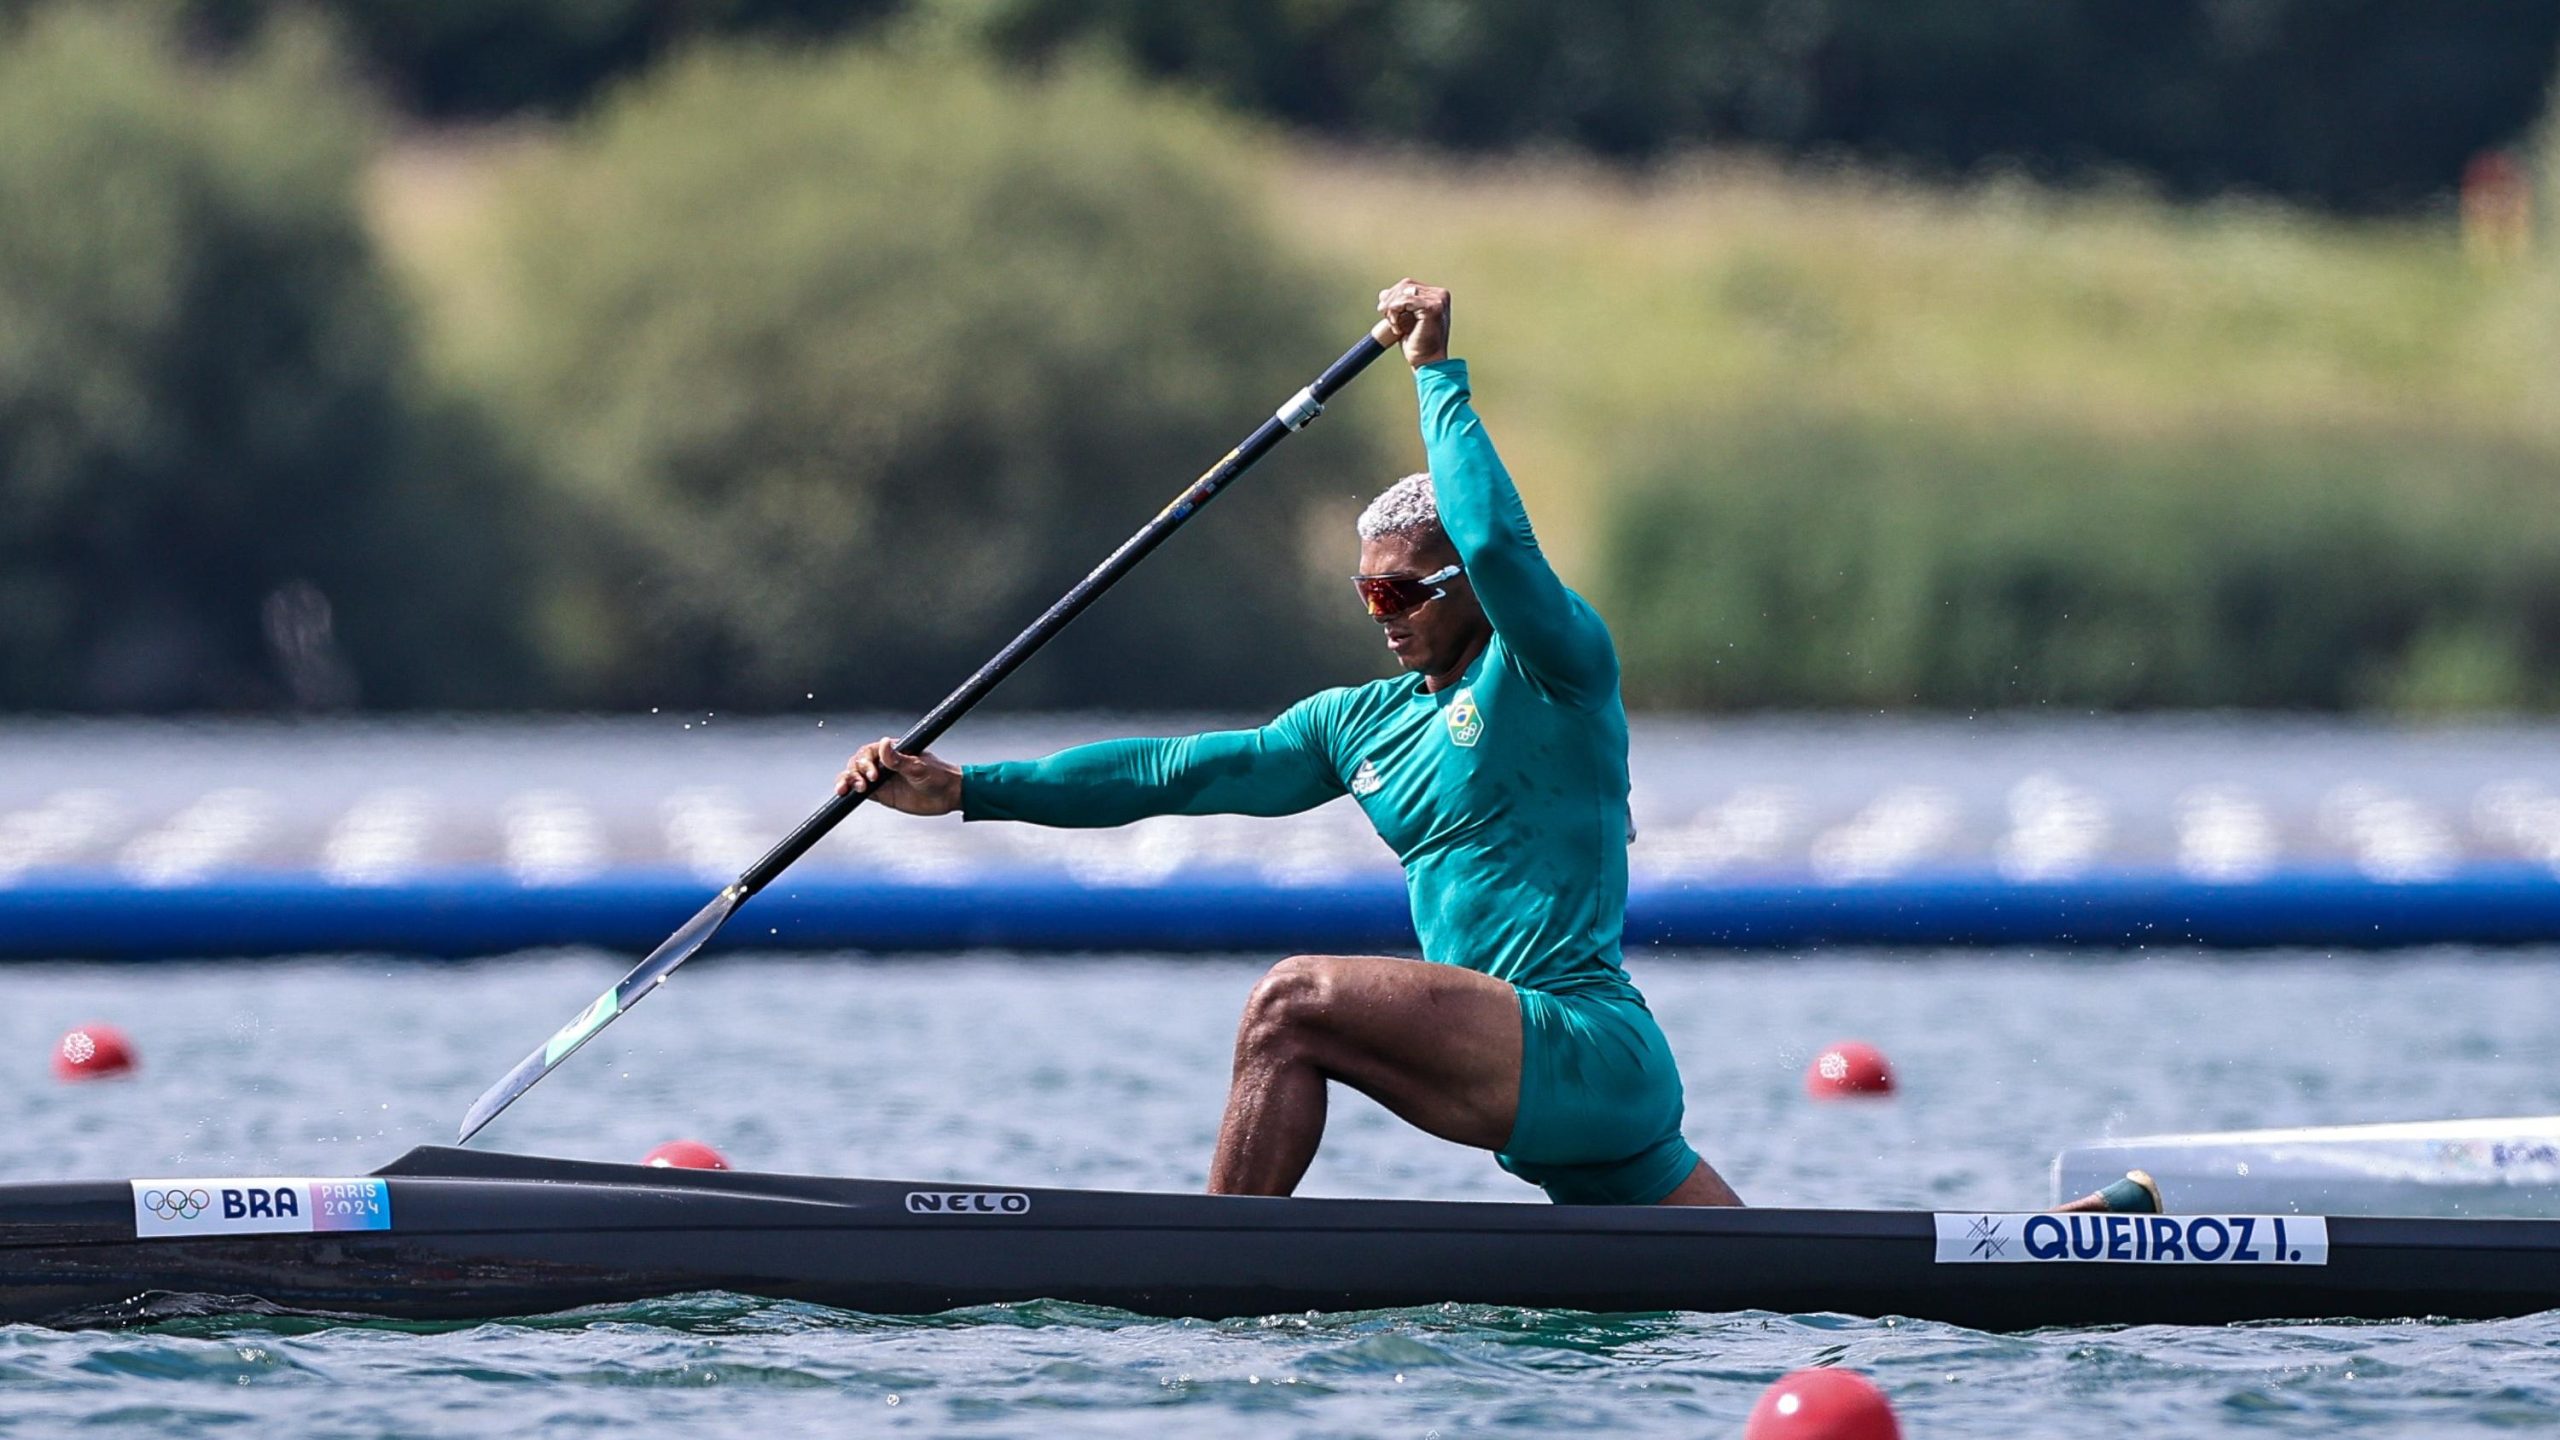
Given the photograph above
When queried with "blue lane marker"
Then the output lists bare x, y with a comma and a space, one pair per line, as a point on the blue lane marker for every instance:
60, 915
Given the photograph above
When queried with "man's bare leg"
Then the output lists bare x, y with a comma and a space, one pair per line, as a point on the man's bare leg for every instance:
1703, 1187
1437, 1045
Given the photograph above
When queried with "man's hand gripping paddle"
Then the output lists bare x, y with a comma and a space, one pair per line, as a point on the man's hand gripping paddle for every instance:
1302, 408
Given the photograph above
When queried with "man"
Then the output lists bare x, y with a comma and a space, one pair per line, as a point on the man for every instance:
1500, 780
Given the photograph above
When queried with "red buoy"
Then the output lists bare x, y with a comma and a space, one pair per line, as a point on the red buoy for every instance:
1850, 1068
1822, 1405
686, 1155
93, 1052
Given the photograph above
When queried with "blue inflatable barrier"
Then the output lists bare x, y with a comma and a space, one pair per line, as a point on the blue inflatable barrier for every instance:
68, 916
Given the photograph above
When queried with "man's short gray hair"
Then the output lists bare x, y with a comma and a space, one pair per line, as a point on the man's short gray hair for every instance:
1405, 508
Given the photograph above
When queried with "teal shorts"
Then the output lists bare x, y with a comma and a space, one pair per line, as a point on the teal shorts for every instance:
1600, 1103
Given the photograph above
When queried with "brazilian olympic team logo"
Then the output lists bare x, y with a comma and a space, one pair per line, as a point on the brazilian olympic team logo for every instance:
176, 1204
1466, 722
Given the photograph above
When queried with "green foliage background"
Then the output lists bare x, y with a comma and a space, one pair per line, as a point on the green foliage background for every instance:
780, 349
1811, 561
2348, 104
208, 402
858, 359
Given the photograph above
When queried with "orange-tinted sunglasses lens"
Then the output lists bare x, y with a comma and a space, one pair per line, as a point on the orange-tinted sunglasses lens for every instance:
1387, 595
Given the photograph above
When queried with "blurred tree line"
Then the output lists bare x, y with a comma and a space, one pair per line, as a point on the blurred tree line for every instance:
857, 360
2360, 105
815, 369
2352, 104
820, 376
482, 59
211, 413
1820, 561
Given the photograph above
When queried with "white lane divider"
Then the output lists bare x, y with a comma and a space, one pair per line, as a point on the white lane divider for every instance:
711, 833
2224, 835
2523, 814
1325, 846
379, 840
1140, 854
206, 836
1901, 827
551, 838
2056, 830
1226, 842
1749, 827
1146, 853
67, 823
2392, 837
908, 850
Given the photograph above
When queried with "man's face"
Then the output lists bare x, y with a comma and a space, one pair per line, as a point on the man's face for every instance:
1434, 637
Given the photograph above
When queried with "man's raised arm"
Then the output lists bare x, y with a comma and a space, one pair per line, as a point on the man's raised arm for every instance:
1558, 638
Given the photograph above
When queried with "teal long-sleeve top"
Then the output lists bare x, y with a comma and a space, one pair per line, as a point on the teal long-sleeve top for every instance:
1504, 795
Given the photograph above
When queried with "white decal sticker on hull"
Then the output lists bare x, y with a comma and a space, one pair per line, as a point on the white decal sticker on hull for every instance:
258, 1205
2039, 1238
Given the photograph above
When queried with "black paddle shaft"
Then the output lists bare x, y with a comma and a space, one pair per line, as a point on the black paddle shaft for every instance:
697, 932
1302, 408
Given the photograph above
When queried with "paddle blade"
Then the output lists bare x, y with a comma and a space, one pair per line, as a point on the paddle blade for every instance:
603, 1011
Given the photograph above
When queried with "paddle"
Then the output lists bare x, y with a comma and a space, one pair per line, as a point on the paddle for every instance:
1302, 408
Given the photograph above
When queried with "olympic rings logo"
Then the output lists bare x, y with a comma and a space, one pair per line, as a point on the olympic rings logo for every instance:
176, 1204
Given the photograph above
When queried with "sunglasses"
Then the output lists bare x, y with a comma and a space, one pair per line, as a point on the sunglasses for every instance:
1387, 595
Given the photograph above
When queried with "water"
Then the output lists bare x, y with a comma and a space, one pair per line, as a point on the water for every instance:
1110, 1073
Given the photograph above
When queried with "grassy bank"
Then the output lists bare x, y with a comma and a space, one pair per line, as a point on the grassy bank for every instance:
1603, 309
1834, 439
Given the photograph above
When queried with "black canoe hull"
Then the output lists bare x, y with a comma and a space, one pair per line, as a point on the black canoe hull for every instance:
477, 1236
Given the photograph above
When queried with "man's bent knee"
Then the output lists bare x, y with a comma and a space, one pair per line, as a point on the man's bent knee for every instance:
1288, 1003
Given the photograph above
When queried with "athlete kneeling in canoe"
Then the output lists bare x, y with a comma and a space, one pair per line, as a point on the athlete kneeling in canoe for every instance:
1499, 779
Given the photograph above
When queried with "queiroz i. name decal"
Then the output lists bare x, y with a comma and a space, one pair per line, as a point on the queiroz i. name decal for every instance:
258, 1205
2044, 1238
